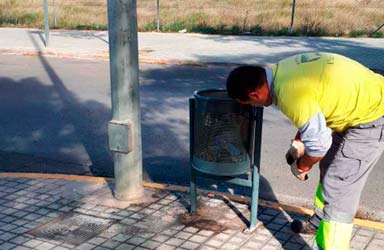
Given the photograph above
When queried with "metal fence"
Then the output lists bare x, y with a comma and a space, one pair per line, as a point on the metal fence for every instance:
307, 17
301, 16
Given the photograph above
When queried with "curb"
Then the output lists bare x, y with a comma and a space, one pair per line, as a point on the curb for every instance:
104, 55
238, 198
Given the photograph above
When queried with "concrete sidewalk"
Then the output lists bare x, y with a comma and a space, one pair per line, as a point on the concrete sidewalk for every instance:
58, 214
174, 48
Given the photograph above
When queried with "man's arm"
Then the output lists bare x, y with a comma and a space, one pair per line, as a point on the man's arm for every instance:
317, 139
306, 162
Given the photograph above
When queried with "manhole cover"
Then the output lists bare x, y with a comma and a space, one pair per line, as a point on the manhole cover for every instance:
72, 228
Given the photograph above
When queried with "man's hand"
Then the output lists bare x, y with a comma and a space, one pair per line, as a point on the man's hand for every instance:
296, 149
295, 152
298, 173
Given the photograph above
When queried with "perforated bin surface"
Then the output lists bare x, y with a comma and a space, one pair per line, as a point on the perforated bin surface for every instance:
221, 134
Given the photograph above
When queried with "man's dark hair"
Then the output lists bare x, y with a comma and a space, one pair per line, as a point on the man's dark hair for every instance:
243, 80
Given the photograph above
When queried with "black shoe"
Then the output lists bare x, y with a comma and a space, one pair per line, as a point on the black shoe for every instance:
303, 227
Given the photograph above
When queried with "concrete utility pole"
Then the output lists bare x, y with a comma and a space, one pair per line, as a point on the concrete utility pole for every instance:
125, 129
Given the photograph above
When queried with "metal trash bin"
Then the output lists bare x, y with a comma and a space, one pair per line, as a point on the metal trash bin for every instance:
225, 141
221, 134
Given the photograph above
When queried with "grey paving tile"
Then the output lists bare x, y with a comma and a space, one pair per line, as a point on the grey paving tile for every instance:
20, 230
125, 247
21, 248
31, 225
273, 226
198, 238
292, 246
135, 240
165, 247
8, 227
8, 219
20, 222
7, 245
253, 245
112, 244
206, 233
280, 221
206, 248
271, 248
101, 248
97, 241
222, 237
9, 211
125, 213
170, 232
32, 243
155, 206
19, 240
43, 211
178, 227
190, 245
151, 244
129, 221
214, 243
32, 217
45, 246
191, 229
85, 246
283, 236
121, 237
366, 232
60, 248
379, 244
265, 218
183, 235
174, 242
229, 246
361, 238
67, 245
275, 242
138, 216
160, 238
31, 208
7, 236
379, 235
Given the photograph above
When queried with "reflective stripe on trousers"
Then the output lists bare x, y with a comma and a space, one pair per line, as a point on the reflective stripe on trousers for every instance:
330, 235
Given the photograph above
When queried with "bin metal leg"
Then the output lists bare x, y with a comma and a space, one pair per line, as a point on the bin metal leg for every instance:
193, 192
255, 198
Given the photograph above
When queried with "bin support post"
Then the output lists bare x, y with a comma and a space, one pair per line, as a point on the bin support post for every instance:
125, 129
193, 190
255, 161
255, 198
193, 193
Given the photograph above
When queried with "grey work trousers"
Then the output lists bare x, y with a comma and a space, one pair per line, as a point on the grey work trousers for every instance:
345, 169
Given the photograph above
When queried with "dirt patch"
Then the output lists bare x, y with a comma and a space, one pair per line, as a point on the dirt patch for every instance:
212, 219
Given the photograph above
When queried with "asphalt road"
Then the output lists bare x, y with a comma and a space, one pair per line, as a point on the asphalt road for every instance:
54, 114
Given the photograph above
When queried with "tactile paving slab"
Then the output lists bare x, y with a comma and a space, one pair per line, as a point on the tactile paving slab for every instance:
72, 228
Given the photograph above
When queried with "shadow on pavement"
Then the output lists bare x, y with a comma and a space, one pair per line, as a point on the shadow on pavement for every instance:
85, 120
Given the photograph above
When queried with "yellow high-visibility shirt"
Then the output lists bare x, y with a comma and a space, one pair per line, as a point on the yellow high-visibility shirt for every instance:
346, 92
